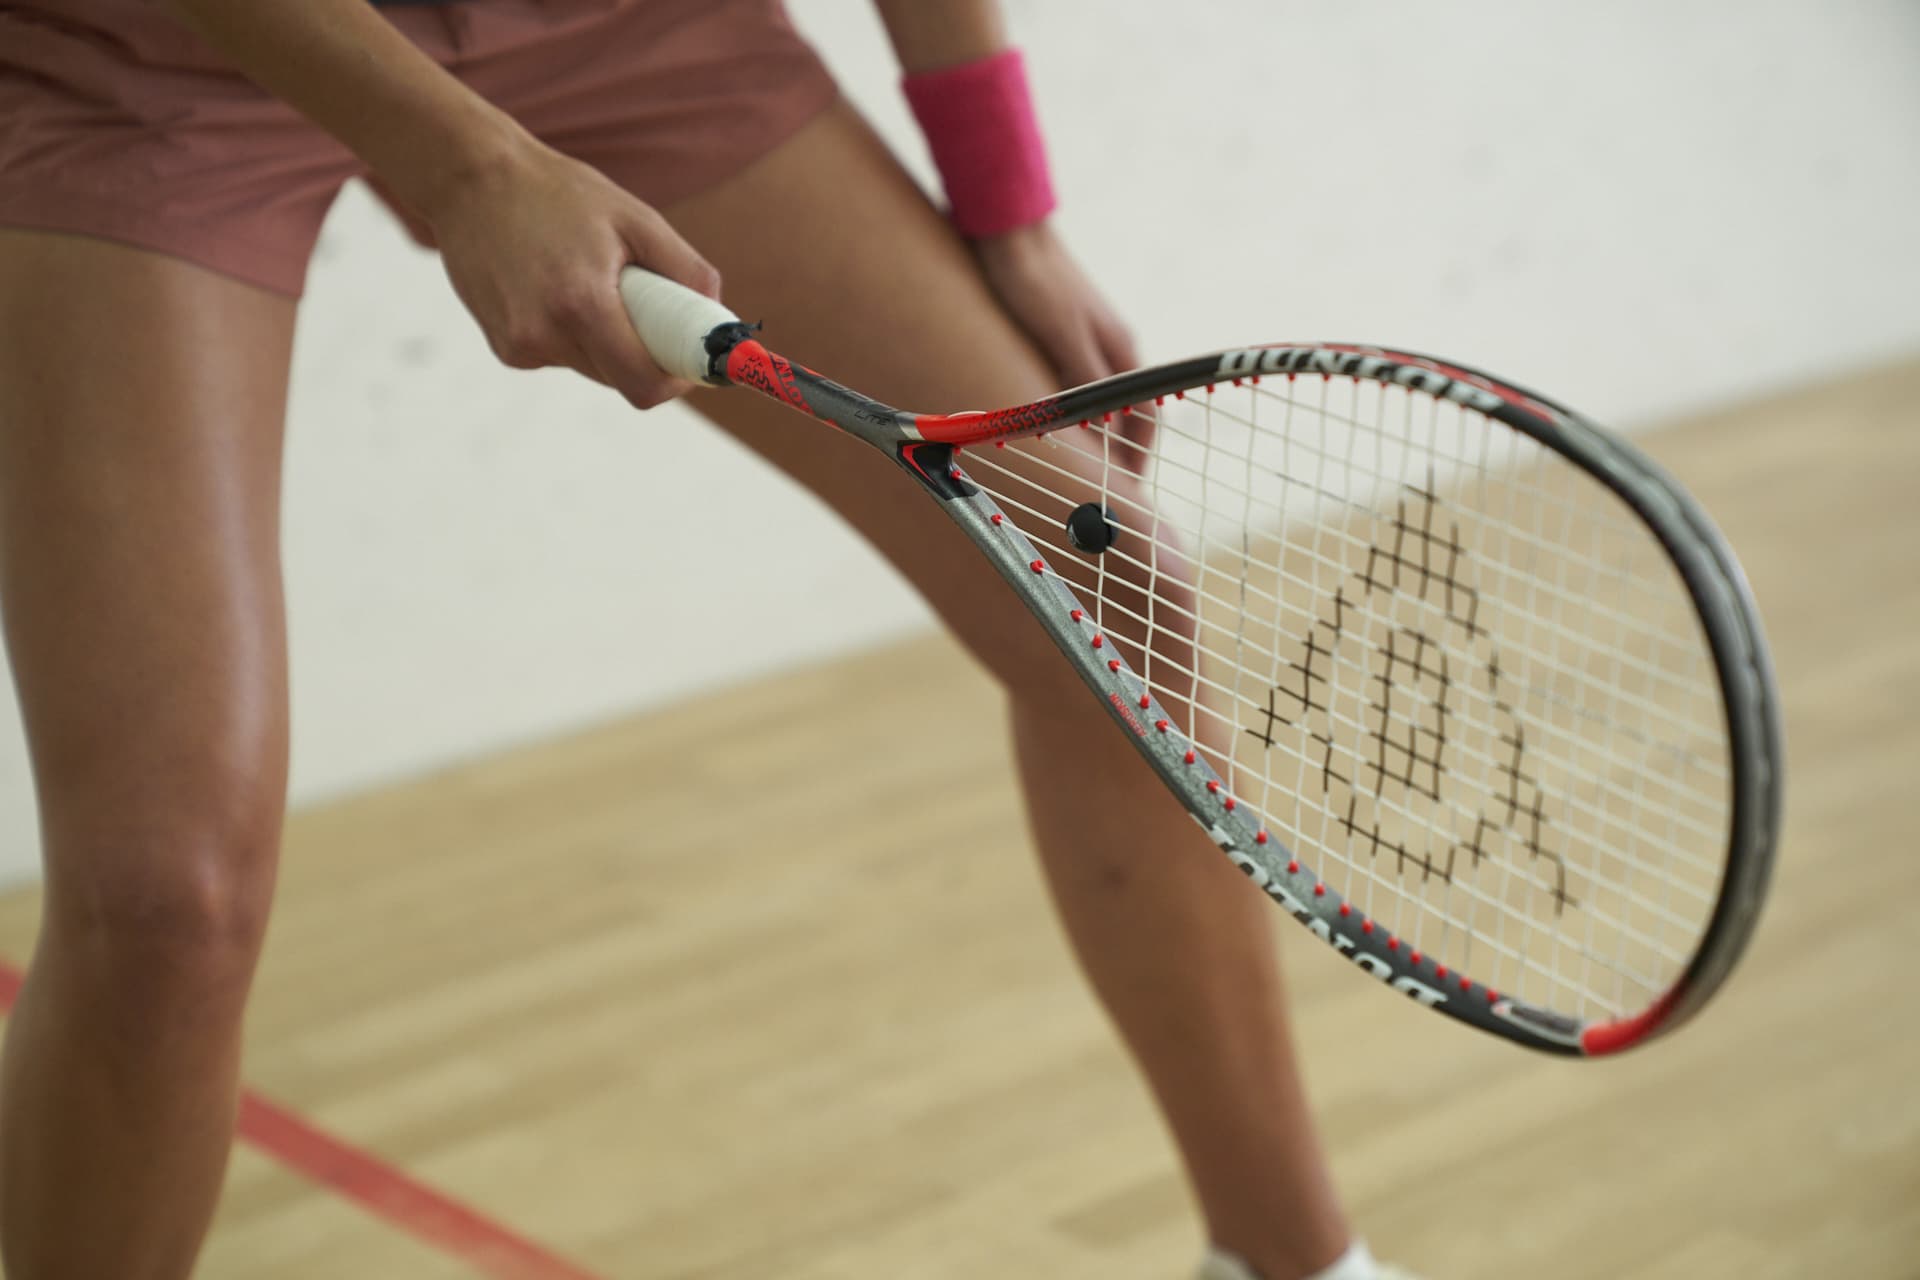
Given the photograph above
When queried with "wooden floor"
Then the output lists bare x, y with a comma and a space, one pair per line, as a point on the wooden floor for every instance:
764, 986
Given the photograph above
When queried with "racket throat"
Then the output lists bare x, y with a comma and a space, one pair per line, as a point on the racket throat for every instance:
937, 466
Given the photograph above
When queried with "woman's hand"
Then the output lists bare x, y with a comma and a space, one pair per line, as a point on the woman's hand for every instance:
534, 243
1045, 291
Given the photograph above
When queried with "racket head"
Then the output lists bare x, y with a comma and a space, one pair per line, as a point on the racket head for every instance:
1470, 686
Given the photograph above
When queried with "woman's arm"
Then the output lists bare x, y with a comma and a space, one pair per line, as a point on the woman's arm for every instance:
1036, 280
532, 241
930, 35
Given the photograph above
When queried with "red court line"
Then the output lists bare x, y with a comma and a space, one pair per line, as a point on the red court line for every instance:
381, 1189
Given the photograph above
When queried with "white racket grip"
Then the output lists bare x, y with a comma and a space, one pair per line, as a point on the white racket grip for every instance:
673, 321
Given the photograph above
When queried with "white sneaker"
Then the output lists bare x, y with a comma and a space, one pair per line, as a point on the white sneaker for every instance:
1223, 1266
1358, 1264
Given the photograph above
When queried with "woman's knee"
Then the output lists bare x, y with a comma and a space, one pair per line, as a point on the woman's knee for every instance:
168, 889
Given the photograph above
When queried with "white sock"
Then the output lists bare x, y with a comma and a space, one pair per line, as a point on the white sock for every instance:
1355, 1264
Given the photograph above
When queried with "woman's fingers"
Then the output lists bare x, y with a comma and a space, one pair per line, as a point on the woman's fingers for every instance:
1115, 339
1073, 348
1137, 429
616, 356
655, 245
535, 249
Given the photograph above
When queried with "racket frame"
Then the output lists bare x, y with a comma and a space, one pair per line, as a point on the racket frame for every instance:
928, 447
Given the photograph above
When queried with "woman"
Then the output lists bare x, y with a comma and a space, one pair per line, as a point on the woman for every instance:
163, 173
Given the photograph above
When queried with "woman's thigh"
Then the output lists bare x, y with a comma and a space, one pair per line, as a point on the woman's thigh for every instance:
141, 402
830, 244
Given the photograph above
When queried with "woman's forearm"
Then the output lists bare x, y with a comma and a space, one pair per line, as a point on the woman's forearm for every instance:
345, 67
928, 35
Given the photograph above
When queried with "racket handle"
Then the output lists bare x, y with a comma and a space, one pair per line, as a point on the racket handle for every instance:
673, 322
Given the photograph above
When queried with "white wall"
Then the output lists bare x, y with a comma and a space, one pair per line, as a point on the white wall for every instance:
1641, 207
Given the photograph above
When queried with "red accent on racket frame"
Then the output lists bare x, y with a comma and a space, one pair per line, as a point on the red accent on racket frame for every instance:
977, 428
1611, 1037
751, 365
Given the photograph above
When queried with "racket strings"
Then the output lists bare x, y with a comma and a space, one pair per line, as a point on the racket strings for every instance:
1444, 665
1040, 497
1173, 680
1169, 677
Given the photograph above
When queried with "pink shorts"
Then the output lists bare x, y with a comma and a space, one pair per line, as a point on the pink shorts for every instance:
115, 121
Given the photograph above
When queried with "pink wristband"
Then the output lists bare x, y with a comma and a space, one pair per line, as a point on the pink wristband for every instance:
979, 122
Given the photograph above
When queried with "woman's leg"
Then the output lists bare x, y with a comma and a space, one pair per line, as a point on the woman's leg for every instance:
141, 402
828, 241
